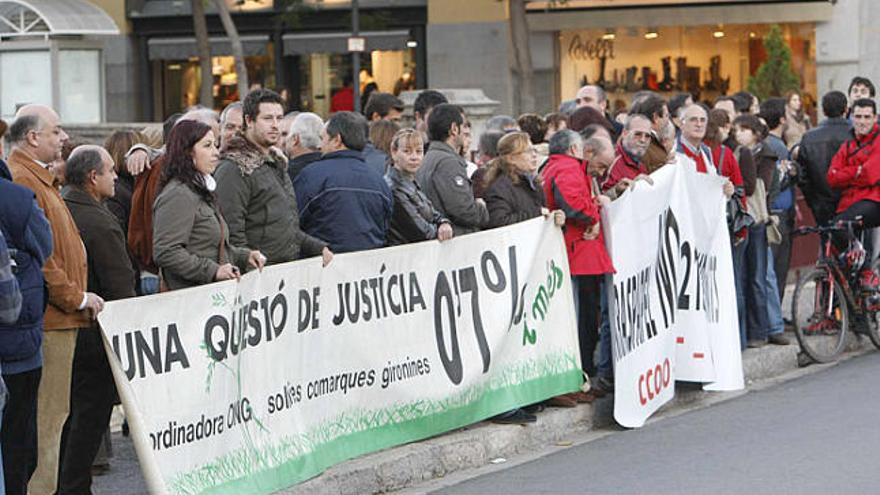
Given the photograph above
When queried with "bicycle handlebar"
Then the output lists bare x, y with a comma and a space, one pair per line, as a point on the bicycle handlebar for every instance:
837, 226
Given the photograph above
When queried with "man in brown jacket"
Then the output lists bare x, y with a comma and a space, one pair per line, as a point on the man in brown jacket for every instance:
37, 137
654, 108
91, 177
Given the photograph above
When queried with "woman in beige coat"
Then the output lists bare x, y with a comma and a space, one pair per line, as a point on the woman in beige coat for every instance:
190, 237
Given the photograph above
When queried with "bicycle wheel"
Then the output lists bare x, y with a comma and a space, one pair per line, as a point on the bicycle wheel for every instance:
820, 314
874, 316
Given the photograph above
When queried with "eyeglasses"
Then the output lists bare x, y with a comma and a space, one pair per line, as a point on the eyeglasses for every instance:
701, 120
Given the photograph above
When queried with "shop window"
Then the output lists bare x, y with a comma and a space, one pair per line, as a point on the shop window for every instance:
80, 83
24, 78
322, 75
707, 60
181, 80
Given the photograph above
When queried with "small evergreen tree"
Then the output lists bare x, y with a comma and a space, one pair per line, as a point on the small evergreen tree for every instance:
775, 76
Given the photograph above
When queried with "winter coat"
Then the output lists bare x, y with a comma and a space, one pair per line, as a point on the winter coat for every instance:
65, 271
443, 177
568, 187
624, 166
375, 159
855, 170
256, 196
746, 165
29, 241
111, 275
817, 148
512, 202
147, 187
795, 127
188, 233
765, 165
656, 156
120, 204
414, 218
296, 164
344, 203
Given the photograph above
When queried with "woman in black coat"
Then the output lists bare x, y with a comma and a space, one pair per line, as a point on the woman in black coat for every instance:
513, 188
414, 218
514, 194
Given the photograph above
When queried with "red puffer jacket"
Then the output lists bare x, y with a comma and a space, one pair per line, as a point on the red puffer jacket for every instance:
855, 170
567, 188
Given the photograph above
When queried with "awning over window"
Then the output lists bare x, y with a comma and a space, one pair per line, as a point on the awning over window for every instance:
53, 17
304, 43
184, 48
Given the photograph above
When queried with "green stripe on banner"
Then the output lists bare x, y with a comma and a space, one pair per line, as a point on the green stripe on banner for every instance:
347, 446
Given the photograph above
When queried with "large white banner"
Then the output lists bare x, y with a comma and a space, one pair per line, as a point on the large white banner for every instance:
253, 386
673, 300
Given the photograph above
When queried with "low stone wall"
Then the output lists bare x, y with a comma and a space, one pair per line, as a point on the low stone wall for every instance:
97, 133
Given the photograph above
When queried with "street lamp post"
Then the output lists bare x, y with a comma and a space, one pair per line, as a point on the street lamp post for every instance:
356, 57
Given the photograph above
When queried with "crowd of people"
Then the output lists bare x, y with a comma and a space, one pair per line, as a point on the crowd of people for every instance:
211, 196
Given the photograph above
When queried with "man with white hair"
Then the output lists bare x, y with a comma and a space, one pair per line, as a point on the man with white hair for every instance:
303, 142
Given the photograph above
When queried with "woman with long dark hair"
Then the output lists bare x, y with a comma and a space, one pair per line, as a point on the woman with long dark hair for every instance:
190, 237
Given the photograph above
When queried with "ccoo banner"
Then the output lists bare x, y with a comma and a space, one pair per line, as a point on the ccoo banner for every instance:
672, 300
254, 386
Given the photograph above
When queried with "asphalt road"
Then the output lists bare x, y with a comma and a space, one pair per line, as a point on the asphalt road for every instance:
814, 435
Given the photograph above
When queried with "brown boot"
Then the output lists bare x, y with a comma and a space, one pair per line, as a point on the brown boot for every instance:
561, 401
582, 397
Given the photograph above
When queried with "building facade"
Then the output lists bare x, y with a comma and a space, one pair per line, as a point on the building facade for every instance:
705, 47
135, 60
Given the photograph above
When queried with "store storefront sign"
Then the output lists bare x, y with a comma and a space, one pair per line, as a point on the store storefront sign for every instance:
587, 49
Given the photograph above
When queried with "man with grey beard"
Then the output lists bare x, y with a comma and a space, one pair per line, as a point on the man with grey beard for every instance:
633, 145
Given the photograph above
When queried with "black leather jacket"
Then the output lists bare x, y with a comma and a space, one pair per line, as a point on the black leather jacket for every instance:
817, 148
414, 218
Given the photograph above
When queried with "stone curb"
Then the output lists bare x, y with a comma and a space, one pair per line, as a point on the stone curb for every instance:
477, 445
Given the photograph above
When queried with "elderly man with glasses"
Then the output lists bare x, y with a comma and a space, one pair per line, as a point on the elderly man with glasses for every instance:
630, 150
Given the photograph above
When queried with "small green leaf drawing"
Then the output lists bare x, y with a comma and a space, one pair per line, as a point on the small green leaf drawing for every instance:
218, 300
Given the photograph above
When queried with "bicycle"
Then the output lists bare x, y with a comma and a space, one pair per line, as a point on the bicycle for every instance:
826, 297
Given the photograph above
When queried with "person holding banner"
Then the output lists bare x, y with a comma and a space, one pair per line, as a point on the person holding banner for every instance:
190, 238
414, 218
91, 177
514, 194
568, 186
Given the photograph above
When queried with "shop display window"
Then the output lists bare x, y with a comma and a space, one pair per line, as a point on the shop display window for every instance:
322, 75
705, 60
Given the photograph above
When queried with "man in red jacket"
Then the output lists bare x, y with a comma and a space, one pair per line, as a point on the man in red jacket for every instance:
568, 187
630, 150
855, 171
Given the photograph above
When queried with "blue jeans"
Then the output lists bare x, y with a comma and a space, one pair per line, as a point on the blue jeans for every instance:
149, 284
757, 320
739, 278
774, 305
605, 364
